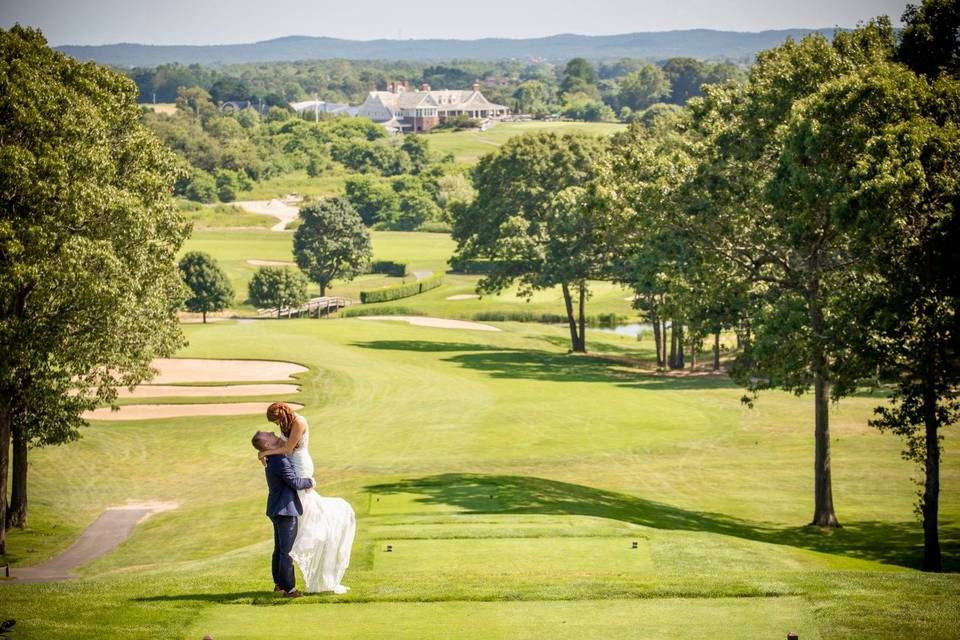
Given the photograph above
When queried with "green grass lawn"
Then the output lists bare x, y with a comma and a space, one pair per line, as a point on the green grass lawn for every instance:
511, 480
468, 146
233, 248
226, 216
295, 182
421, 251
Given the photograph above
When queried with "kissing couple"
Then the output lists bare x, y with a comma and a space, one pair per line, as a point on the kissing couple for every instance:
311, 530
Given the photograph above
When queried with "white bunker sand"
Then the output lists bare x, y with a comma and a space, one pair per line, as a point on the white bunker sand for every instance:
175, 371
437, 323
233, 390
464, 296
179, 370
270, 263
154, 411
276, 208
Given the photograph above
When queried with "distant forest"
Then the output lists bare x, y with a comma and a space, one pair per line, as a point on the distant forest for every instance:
578, 89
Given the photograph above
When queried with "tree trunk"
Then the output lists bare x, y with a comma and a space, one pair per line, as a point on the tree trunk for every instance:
672, 358
680, 341
323, 289
931, 486
571, 319
716, 351
5, 416
823, 514
204, 316
656, 335
663, 337
583, 319
17, 510
693, 354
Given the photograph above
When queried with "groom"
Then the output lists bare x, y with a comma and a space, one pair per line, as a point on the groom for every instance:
283, 508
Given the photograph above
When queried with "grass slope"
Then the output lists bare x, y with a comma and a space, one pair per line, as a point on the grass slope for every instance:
468, 146
511, 480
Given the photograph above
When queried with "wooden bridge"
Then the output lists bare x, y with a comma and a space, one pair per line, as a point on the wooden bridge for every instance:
313, 308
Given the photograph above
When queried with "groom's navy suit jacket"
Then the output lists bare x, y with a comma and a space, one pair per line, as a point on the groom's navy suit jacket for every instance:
283, 483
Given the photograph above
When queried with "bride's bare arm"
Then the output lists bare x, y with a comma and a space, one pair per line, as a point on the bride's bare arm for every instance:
296, 432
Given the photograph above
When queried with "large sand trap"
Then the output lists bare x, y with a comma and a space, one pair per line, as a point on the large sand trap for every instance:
155, 411
168, 391
113, 526
464, 296
276, 208
271, 263
178, 370
437, 323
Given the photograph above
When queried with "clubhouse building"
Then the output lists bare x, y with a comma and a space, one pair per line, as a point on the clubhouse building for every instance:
402, 110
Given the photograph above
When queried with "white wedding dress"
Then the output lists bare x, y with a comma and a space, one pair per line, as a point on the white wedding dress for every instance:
325, 531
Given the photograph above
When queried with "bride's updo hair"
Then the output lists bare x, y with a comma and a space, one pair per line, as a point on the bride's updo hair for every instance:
284, 414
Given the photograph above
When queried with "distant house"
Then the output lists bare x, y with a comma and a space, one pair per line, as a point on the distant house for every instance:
400, 109
319, 106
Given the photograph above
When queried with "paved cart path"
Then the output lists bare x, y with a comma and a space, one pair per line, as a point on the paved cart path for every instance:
105, 534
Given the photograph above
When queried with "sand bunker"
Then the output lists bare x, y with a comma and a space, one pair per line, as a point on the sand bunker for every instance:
178, 370
172, 391
276, 208
464, 296
155, 411
270, 263
437, 323
185, 370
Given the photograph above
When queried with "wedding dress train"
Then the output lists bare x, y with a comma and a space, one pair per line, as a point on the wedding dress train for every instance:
325, 531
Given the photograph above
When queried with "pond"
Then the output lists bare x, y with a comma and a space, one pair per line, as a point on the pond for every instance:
632, 330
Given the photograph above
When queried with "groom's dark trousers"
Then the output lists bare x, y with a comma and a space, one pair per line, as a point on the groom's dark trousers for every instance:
283, 507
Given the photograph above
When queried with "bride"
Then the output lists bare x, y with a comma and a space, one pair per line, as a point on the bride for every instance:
327, 526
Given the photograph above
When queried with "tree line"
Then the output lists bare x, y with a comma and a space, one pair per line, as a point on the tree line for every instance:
811, 209
397, 183
580, 89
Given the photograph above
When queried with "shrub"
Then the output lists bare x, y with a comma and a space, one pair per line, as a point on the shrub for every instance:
435, 227
352, 312
201, 187
459, 123
389, 267
386, 294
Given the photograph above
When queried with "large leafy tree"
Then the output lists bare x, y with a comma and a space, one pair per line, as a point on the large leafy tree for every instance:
88, 239
277, 287
533, 221
208, 283
903, 207
930, 40
332, 242
770, 207
643, 87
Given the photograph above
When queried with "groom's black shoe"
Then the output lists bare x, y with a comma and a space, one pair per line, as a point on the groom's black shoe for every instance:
277, 587
292, 594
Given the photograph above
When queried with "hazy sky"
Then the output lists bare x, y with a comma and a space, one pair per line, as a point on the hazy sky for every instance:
235, 21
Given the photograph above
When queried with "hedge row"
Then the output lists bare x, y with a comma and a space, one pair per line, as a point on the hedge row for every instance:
401, 291
389, 267
602, 320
